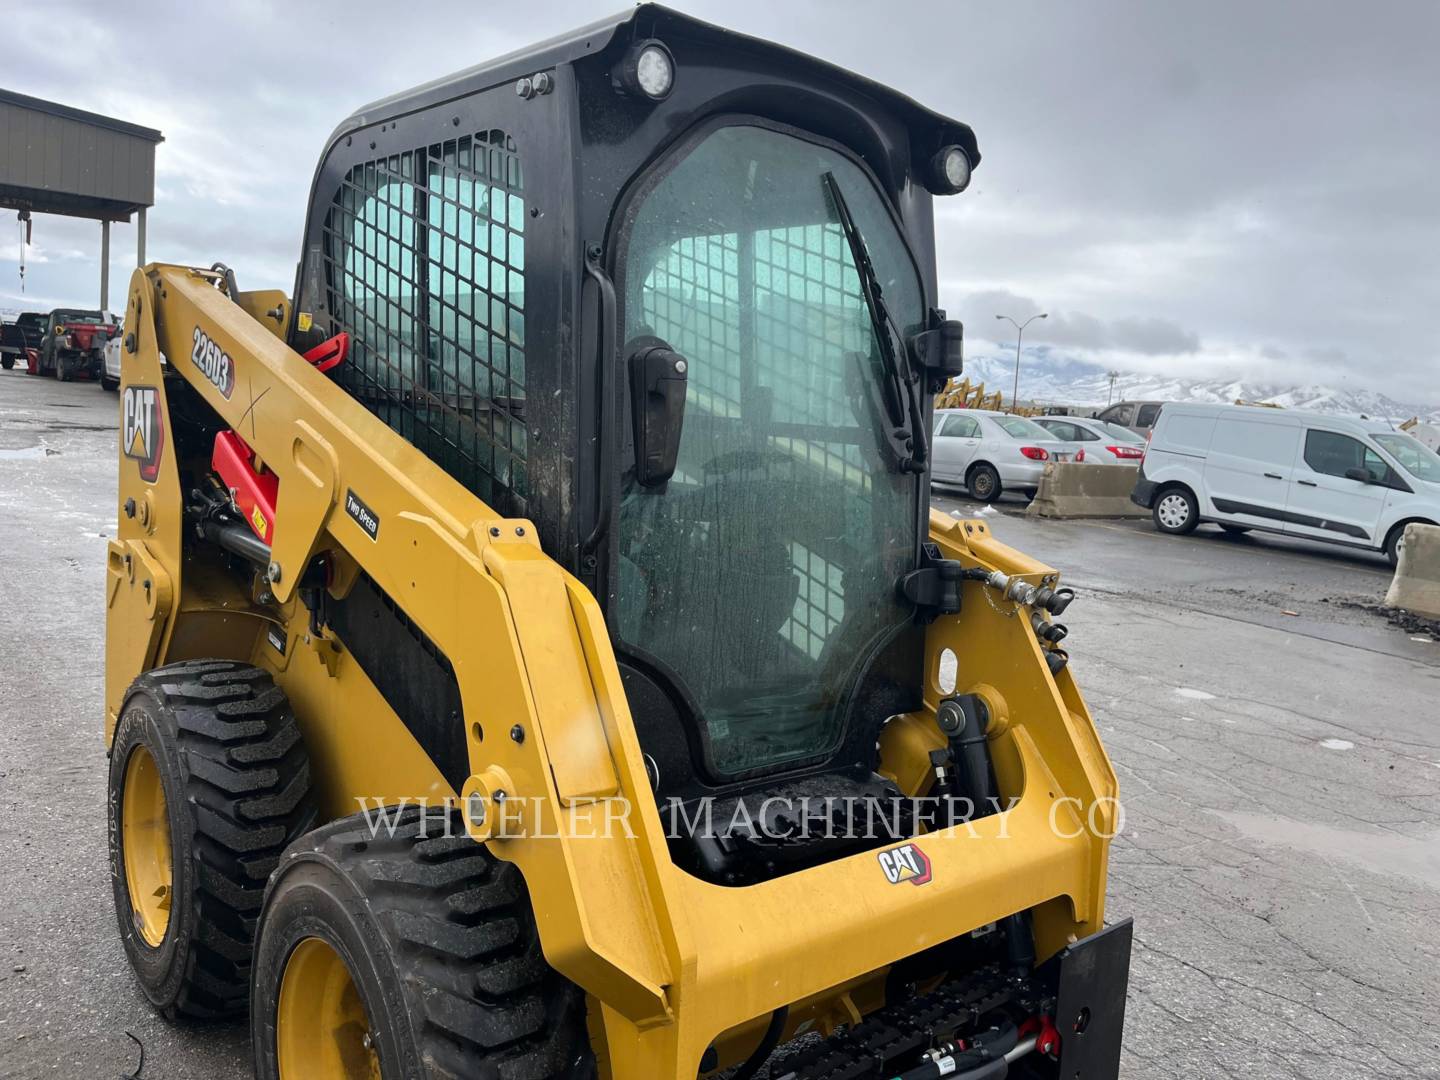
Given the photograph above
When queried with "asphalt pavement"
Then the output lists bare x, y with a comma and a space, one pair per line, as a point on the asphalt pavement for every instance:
1276, 740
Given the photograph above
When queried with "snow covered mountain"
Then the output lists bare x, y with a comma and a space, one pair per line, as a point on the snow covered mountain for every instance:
1047, 378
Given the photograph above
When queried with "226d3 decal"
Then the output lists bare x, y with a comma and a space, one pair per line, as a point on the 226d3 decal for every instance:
214, 363
142, 429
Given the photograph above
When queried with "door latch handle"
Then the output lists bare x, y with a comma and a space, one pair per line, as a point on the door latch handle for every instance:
1307, 483
1273, 476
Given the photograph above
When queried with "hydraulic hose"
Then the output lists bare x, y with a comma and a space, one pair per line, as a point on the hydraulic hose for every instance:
943, 1064
964, 720
1052, 600
768, 1042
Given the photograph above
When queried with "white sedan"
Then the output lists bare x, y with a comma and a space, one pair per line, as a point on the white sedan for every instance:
991, 452
1105, 443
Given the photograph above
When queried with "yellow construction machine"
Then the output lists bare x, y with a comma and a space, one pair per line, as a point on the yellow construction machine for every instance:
960, 394
531, 652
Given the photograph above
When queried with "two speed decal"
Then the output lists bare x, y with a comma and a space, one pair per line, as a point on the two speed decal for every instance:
366, 518
213, 362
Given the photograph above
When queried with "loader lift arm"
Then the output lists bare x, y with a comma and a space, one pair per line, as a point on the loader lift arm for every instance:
450, 567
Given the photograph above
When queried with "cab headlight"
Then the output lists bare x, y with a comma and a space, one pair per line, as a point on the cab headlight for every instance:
949, 171
647, 70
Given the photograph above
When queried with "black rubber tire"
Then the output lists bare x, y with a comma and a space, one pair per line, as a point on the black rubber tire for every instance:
1235, 530
107, 383
441, 943
62, 368
1163, 516
237, 791
8, 363
983, 482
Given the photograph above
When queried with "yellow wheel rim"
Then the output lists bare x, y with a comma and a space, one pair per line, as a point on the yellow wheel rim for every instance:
321, 1030
145, 836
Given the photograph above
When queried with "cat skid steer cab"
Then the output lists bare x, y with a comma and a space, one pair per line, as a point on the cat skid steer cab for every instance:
531, 652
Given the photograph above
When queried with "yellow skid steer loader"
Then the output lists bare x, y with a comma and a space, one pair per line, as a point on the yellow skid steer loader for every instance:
531, 653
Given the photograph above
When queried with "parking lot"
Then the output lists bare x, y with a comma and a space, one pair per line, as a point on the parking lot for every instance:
1275, 738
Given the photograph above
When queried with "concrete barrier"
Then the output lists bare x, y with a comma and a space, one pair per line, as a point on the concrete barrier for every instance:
1416, 585
1076, 490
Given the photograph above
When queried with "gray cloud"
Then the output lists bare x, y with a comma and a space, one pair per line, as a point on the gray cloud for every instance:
1150, 336
1229, 187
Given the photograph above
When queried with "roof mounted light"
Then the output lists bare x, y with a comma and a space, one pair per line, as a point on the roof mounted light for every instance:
647, 70
949, 171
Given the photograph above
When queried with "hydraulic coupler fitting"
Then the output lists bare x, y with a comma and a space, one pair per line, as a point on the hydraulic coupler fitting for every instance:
1054, 601
1051, 599
1051, 632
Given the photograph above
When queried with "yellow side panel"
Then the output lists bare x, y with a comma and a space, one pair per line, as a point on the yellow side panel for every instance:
138, 596
148, 492
361, 755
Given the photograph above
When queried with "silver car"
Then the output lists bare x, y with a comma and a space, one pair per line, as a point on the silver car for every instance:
1105, 443
991, 452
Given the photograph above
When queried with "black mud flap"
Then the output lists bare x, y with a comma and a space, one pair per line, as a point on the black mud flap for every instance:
1090, 1009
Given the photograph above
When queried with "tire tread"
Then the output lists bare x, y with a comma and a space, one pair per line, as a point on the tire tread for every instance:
465, 946
248, 789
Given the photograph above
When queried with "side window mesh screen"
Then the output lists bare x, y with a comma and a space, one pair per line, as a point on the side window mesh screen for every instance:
425, 265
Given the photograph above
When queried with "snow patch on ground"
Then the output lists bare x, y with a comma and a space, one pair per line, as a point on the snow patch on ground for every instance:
28, 453
1194, 695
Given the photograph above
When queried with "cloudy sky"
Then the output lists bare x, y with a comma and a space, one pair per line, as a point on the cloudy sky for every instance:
1228, 189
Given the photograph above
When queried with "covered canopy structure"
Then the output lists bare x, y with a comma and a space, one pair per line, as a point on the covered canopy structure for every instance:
55, 159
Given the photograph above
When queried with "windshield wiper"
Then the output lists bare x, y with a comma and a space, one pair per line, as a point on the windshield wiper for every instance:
902, 399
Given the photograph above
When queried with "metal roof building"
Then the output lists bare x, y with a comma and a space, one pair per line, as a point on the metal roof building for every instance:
58, 160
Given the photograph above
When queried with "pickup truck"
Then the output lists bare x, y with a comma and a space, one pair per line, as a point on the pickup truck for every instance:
74, 344
24, 333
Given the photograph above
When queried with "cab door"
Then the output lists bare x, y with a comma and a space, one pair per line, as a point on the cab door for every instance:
957, 437
1248, 469
1328, 498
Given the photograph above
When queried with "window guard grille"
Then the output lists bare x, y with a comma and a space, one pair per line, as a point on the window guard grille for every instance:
425, 265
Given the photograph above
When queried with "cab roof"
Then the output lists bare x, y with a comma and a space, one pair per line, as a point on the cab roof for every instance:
652, 20
1363, 425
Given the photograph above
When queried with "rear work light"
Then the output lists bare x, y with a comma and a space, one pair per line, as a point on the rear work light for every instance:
1128, 453
1035, 453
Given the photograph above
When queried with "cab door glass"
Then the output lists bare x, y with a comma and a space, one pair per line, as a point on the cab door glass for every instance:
1333, 454
783, 522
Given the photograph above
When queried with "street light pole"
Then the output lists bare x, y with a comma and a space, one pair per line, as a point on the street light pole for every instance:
1019, 337
1111, 396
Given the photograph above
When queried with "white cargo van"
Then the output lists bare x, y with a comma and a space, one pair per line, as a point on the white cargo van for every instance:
1345, 481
